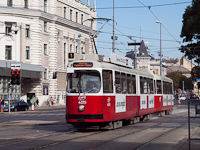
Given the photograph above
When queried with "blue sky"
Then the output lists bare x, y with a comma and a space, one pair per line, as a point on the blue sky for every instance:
133, 19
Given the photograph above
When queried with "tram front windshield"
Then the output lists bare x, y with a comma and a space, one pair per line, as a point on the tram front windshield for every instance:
83, 82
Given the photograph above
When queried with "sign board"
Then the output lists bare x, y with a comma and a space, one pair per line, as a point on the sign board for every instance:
15, 66
198, 80
121, 60
83, 64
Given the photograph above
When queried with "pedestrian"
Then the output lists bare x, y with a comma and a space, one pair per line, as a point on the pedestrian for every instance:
52, 101
37, 101
2, 104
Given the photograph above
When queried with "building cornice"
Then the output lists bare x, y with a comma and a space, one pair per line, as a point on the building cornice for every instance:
30, 13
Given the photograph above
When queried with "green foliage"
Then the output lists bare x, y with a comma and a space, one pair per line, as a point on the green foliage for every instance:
195, 73
178, 79
191, 31
191, 22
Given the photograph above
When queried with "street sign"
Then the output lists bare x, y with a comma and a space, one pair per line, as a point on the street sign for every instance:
179, 101
15, 66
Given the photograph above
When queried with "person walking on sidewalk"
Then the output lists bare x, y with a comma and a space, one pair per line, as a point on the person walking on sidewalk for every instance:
2, 104
51, 101
37, 101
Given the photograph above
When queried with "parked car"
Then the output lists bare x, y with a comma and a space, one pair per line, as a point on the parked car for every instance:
193, 96
17, 105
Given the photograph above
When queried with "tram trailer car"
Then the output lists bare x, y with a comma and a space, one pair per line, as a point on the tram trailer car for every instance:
103, 94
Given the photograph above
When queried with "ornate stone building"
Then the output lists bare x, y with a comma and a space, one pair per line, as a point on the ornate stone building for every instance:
38, 35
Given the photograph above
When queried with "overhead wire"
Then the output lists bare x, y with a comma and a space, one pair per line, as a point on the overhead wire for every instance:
149, 8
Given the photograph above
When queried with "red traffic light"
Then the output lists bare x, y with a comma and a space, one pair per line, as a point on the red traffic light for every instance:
18, 72
13, 72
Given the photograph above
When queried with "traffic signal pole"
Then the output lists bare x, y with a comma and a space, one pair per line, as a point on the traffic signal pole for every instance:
9, 96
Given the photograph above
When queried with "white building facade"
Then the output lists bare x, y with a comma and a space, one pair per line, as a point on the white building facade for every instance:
39, 34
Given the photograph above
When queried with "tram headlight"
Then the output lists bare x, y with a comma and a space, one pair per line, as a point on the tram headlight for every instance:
81, 108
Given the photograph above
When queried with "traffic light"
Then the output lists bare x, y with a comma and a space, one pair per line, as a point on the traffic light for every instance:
15, 77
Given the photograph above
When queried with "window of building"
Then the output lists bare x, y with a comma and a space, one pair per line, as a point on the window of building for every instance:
28, 52
82, 19
107, 81
45, 26
76, 49
82, 51
25, 3
8, 28
45, 74
9, 3
70, 14
45, 90
27, 31
45, 5
8, 53
64, 54
70, 48
65, 12
76, 16
45, 49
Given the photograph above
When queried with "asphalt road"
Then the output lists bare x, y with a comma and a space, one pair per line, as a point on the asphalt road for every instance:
45, 128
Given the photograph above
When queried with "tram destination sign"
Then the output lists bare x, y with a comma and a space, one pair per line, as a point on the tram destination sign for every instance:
83, 64
121, 60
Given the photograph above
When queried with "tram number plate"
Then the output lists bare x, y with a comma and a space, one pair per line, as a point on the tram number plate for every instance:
82, 102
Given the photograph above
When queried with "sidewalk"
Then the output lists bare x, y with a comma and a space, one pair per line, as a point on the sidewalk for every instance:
46, 107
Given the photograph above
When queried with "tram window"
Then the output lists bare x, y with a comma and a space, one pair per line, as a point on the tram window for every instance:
159, 86
107, 81
72, 83
129, 84
165, 87
117, 82
170, 88
154, 86
143, 85
133, 85
123, 83
150, 86
81, 81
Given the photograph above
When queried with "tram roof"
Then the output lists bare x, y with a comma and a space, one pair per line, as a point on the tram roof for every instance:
104, 63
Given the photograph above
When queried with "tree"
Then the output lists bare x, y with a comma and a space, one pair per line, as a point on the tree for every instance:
178, 79
191, 31
196, 73
191, 20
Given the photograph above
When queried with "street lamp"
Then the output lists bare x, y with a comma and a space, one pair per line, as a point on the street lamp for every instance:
160, 48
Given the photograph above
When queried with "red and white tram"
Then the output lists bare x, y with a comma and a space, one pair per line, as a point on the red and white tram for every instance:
100, 93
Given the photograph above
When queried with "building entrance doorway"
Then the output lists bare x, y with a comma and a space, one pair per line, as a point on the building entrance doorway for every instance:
29, 96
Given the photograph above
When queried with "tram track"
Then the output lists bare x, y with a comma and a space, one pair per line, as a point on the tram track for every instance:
86, 136
110, 140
